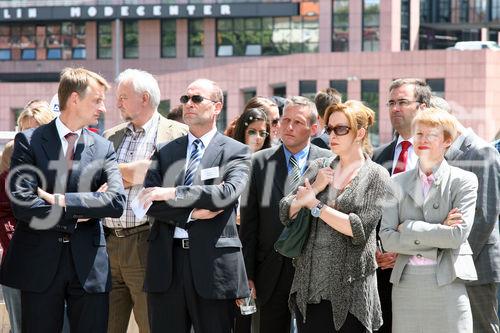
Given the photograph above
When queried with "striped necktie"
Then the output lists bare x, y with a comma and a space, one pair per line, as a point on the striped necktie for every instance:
295, 173
194, 162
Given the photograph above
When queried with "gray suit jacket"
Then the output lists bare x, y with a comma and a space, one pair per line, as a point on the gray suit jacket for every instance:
423, 233
481, 158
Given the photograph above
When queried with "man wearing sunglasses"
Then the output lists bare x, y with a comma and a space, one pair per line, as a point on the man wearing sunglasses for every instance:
195, 268
406, 98
276, 172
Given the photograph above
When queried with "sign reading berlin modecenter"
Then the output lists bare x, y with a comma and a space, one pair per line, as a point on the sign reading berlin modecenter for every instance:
147, 11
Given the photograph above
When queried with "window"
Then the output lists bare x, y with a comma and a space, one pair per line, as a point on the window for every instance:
279, 90
130, 40
5, 54
267, 36
371, 25
196, 38
370, 96
340, 26
104, 40
341, 87
307, 89
495, 11
437, 86
164, 107
405, 25
29, 54
222, 117
248, 93
168, 38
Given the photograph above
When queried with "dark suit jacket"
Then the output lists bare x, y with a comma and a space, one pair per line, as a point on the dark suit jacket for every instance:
260, 222
215, 249
37, 161
322, 141
481, 158
384, 155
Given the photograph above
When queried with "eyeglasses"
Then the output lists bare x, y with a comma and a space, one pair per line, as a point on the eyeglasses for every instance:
400, 103
339, 130
197, 99
262, 134
275, 121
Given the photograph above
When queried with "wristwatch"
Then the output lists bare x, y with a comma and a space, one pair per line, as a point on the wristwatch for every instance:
316, 210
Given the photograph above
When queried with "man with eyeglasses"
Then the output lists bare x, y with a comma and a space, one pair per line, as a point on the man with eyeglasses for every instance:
195, 268
406, 98
135, 140
276, 171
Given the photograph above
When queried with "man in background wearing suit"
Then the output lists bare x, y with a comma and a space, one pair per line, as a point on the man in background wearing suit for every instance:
275, 173
323, 100
58, 251
195, 267
137, 98
406, 97
471, 153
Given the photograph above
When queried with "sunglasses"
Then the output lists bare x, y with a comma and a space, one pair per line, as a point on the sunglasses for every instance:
262, 134
197, 99
338, 130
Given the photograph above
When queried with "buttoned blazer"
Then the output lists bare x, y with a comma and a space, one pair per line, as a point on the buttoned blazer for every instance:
260, 223
384, 155
482, 159
167, 131
32, 259
215, 250
422, 231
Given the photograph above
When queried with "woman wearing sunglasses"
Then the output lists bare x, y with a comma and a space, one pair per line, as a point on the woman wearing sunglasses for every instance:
335, 286
252, 129
427, 223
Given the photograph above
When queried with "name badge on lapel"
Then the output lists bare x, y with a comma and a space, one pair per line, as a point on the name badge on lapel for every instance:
209, 173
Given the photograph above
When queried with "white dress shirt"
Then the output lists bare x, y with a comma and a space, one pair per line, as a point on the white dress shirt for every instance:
62, 130
411, 162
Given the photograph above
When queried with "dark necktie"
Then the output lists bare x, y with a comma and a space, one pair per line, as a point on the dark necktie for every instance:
295, 173
403, 158
194, 162
70, 152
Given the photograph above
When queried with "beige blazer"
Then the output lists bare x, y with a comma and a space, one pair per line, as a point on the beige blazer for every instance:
167, 131
423, 232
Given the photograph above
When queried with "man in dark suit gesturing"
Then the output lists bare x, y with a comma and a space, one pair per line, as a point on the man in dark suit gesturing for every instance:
273, 176
195, 267
63, 179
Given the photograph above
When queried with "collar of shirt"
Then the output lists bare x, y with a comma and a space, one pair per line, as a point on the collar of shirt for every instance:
411, 162
146, 127
206, 138
62, 130
301, 158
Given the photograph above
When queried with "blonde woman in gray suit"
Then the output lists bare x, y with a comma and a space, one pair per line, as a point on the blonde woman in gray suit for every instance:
427, 224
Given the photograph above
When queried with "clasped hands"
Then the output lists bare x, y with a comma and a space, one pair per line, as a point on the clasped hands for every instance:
306, 195
150, 194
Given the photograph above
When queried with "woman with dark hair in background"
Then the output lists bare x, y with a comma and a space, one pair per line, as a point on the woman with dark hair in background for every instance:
252, 129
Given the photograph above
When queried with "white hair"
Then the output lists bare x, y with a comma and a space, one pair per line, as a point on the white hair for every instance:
142, 82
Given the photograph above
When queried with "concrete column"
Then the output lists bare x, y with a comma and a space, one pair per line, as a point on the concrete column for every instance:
325, 26
390, 25
355, 25
414, 23
210, 35
181, 40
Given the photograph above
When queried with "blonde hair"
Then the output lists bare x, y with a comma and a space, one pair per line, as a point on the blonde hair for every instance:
435, 117
358, 116
38, 110
77, 80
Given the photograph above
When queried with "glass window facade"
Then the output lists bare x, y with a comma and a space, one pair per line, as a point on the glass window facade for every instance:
196, 38
104, 40
130, 40
279, 90
62, 40
340, 26
168, 38
405, 25
307, 88
267, 36
437, 86
341, 87
370, 96
248, 93
371, 25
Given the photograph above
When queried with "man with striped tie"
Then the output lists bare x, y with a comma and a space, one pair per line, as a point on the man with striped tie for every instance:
276, 172
195, 268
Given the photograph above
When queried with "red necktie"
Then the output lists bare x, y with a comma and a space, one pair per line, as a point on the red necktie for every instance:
403, 157
70, 152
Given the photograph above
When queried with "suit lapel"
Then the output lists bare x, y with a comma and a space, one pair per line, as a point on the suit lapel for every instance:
84, 154
117, 138
279, 160
414, 188
52, 144
180, 157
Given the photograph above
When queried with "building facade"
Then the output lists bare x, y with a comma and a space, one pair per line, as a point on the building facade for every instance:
257, 48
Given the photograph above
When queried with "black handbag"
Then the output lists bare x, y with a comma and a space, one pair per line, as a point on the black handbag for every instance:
294, 236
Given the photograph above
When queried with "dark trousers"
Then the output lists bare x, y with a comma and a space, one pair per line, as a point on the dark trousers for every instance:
181, 307
385, 293
275, 316
319, 318
44, 312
